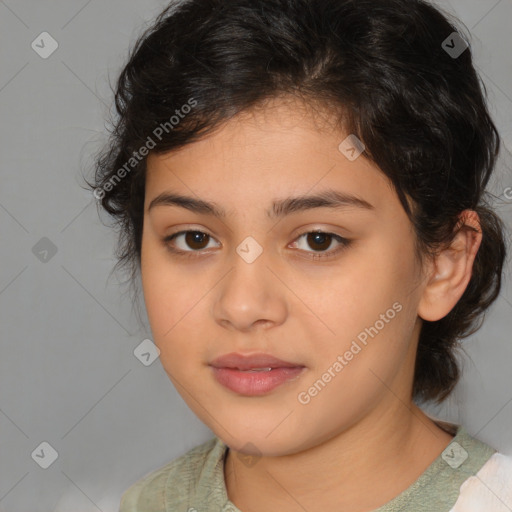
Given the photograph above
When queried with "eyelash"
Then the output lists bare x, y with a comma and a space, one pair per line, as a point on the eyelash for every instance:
344, 243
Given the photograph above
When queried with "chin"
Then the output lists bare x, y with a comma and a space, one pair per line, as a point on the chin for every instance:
267, 441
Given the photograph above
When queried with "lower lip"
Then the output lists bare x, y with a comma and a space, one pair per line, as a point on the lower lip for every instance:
254, 383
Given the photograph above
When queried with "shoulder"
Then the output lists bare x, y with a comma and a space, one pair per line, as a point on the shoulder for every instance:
173, 482
490, 489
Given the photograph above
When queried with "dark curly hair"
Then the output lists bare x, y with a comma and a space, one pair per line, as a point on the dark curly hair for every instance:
381, 68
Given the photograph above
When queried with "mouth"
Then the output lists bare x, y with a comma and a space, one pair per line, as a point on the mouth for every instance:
254, 375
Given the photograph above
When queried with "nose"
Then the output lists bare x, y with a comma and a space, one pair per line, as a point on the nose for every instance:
250, 296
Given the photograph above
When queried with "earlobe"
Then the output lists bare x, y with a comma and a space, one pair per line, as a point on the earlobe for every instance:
451, 270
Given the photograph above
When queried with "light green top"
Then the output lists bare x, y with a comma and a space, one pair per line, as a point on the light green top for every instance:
195, 482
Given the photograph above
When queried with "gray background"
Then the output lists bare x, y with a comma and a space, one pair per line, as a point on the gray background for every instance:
68, 374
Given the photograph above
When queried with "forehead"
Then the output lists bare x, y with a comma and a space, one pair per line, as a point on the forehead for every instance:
280, 149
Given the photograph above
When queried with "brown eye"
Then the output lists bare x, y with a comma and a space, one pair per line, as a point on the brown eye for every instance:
196, 239
320, 241
192, 241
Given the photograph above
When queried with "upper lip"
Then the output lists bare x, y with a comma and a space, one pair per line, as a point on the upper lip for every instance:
249, 362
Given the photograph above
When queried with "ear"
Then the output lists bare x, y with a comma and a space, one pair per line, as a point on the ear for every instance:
451, 270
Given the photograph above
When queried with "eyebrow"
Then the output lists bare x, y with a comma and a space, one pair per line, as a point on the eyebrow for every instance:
280, 208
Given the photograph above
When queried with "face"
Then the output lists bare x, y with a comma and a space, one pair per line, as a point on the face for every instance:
332, 290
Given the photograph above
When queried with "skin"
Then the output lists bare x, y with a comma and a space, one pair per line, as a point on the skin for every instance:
360, 441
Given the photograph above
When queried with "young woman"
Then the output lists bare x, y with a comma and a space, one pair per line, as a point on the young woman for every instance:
301, 185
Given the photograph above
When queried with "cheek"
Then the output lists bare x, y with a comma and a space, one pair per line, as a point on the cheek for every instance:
371, 312
174, 309
157, 299
162, 291
365, 286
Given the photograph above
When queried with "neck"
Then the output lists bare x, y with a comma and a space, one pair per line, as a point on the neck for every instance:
358, 469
